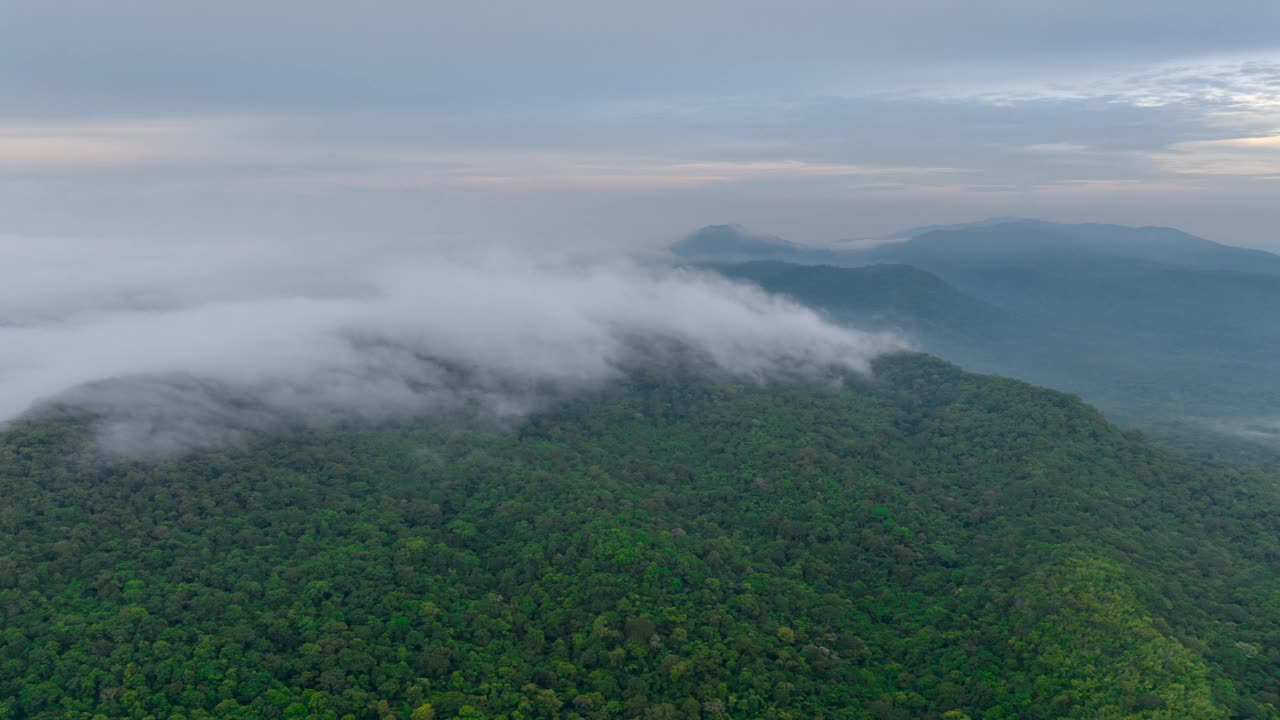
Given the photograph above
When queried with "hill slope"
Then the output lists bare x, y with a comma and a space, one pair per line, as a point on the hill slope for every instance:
981, 243
927, 544
936, 316
1029, 240
898, 295
1154, 325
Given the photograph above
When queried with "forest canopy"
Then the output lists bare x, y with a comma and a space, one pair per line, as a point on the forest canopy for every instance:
927, 544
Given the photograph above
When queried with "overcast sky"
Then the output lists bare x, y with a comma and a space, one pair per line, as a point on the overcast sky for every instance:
606, 124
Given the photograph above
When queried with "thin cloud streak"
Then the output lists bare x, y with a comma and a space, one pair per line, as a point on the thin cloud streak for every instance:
244, 149
592, 174
1248, 156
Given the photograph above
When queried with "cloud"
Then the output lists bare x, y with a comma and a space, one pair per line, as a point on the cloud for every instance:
1261, 430
127, 143
1057, 148
176, 355
250, 152
628, 126
1249, 156
296, 53
542, 172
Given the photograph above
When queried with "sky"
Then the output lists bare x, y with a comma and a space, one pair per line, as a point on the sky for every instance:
339, 125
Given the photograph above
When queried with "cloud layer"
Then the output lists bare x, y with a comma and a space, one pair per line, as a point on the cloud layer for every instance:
590, 123
181, 354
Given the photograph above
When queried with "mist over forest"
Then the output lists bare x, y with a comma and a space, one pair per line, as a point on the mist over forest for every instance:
722, 481
174, 357
675, 360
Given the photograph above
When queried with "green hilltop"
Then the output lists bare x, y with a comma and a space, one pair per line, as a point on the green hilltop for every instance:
927, 543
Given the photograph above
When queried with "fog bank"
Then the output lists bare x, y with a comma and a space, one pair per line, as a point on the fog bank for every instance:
183, 349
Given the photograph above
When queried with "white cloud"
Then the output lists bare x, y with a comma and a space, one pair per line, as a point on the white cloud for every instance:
170, 350
127, 143
1057, 148
1256, 156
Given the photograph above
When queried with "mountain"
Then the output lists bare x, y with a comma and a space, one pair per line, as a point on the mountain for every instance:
928, 543
940, 248
936, 315
1164, 246
1154, 325
733, 243
913, 232
901, 293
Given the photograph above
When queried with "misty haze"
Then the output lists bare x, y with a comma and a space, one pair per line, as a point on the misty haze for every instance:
166, 353
667, 361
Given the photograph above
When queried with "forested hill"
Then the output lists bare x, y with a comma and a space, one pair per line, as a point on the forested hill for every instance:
877, 296
927, 544
1159, 328
930, 312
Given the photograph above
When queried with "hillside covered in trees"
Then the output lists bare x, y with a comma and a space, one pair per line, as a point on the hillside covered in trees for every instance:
1161, 329
925, 544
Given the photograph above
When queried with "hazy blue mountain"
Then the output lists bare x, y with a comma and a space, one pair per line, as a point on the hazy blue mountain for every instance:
1031, 241
893, 289
733, 243
913, 232
884, 296
1153, 324
972, 244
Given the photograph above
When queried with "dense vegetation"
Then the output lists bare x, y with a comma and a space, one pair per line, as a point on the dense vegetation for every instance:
930, 544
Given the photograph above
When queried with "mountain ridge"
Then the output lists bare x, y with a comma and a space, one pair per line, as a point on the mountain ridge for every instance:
731, 242
1155, 325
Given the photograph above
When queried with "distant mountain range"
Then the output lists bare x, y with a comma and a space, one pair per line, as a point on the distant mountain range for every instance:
883, 297
976, 244
1153, 324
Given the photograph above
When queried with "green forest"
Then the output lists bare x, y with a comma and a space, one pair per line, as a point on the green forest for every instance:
924, 544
